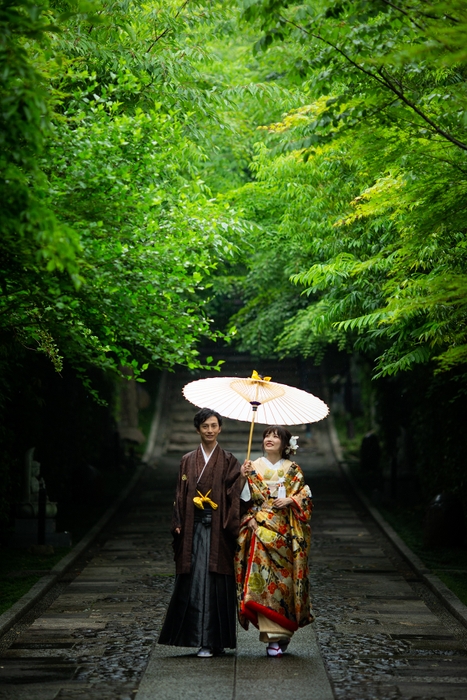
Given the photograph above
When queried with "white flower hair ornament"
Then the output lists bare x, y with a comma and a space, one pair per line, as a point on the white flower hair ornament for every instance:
293, 445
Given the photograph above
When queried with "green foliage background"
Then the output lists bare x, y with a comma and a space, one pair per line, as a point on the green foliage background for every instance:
110, 236
291, 176
360, 192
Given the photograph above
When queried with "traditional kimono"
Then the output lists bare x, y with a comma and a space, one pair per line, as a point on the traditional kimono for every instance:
272, 562
202, 609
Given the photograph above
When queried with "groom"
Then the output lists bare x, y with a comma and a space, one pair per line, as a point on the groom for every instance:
206, 518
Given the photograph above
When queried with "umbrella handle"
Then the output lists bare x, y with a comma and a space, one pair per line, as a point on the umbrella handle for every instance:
252, 426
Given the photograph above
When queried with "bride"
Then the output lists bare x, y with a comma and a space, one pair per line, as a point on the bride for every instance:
271, 561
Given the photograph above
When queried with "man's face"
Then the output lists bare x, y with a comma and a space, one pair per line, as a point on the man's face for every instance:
209, 430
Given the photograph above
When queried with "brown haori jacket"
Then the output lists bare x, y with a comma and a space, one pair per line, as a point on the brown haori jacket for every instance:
222, 476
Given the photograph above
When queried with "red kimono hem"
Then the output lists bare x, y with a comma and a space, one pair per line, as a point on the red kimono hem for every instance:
251, 610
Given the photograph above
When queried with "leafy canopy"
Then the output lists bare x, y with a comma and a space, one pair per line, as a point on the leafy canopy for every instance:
109, 234
369, 177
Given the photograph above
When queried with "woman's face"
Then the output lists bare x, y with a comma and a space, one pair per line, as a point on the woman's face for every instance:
272, 444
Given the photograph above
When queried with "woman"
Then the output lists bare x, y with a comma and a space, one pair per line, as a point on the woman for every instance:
271, 560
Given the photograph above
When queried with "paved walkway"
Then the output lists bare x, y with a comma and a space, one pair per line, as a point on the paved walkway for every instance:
379, 633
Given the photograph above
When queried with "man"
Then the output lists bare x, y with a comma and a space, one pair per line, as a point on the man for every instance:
206, 518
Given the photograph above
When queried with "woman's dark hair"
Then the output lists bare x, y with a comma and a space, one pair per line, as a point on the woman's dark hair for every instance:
281, 433
203, 415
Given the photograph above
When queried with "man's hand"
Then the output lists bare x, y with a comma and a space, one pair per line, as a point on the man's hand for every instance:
177, 530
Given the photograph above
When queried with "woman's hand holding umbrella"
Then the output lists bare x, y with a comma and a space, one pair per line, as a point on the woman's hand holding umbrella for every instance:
246, 467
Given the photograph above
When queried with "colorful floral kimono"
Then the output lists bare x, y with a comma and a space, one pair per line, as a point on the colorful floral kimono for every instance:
271, 564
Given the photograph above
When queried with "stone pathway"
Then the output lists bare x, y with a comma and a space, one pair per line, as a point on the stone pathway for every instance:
94, 639
379, 633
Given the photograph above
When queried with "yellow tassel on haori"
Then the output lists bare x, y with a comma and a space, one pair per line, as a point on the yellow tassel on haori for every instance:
200, 500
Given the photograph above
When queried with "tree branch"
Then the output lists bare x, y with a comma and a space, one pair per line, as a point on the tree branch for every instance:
336, 48
405, 13
398, 91
386, 82
447, 161
437, 17
167, 29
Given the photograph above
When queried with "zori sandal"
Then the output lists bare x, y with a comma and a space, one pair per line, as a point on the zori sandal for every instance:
273, 649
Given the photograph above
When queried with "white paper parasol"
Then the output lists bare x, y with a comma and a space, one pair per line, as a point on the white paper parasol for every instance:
256, 398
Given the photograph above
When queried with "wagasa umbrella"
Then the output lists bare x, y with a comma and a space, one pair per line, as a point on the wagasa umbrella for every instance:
256, 398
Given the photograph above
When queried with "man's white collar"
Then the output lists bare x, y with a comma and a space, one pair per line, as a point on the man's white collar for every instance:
207, 456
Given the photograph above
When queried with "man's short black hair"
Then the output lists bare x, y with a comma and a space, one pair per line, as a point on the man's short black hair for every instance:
203, 415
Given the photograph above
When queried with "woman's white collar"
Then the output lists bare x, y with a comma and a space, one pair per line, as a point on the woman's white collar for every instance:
277, 465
